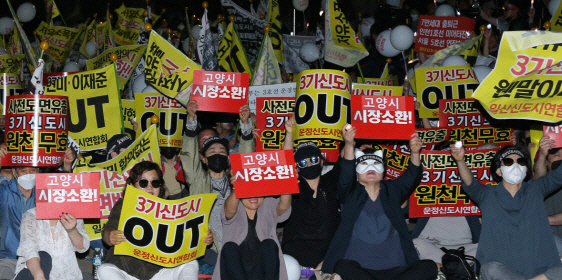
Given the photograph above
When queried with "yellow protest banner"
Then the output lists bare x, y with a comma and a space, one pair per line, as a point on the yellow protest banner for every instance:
556, 21
384, 80
105, 35
94, 105
129, 24
128, 113
127, 59
266, 71
10, 85
343, 46
232, 57
52, 7
434, 84
274, 20
323, 104
471, 54
362, 89
10, 63
167, 69
526, 83
61, 39
172, 115
114, 174
164, 232
89, 36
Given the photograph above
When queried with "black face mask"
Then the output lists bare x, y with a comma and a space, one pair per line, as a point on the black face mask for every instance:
217, 163
168, 153
311, 172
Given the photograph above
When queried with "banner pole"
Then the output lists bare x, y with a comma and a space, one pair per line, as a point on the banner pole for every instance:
360, 72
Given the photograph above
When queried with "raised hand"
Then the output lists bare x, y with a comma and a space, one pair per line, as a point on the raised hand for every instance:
192, 107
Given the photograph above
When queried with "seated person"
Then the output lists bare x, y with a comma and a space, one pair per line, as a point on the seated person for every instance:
213, 153
251, 249
47, 247
145, 176
372, 241
315, 210
516, 241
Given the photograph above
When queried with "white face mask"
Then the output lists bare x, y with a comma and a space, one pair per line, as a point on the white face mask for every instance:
371, 165
27, 181
514, 174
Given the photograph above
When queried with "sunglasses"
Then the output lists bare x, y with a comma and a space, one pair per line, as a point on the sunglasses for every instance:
143, 183
313, 160
509, 161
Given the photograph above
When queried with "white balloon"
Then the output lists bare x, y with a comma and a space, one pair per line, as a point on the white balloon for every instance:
300, 5
393, 3
445, 11
149, 89
91, 48
26, 12
401, 37
185, 45
481, 71
384, 46
181, 27
195, 31
309, 52
140, 84
553, 6
3, 51
82, 61
71, 67
293, 267
366, 24
454, 60
6, 25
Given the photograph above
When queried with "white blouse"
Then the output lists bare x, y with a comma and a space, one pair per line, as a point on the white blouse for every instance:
35, 236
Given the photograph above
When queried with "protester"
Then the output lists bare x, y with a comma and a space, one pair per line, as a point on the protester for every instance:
47, 247
315, 209
145, 176
172, 169
516, 241
213, 153
373, 242
17, 196
251, 249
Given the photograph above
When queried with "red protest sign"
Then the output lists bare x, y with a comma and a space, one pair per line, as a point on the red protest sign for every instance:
554, 132
461, 113
440, 192
436, 33
271, 115
36, 130
220, 91
264, 173
383, 117
472, 137
74, 193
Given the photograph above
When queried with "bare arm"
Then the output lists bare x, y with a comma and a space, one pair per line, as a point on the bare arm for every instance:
415, 149
486, 45
464, 172
349, 133
555, 220
69, 223
288, 143
284, 204
539, 169
231, 206
34, 266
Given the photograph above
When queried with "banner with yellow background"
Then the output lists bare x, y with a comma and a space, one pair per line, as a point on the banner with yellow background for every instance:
127, 59
129, 24
172, 117
526, 82
323, 104
114, 174
164, 232
60, 39
363, 89
384, 80
231, 54
556, 21
168, 70
93, 98
434, 84
11, 63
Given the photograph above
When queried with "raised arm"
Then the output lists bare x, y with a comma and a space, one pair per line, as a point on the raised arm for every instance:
472, 187
231, 203
539, 169
347, 163
247, 141
284, 204
190, 147
410, 179
349, 133
68, 158
288, 145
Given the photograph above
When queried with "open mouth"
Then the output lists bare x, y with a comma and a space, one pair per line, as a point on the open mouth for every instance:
371, 172
254, 200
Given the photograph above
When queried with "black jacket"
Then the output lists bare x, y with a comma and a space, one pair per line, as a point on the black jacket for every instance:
352, 196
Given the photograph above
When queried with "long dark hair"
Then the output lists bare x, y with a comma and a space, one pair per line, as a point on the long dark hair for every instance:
496, 161
140, 168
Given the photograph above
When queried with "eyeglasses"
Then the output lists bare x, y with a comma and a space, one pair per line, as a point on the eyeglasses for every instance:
509, 161
143, 183
313, 161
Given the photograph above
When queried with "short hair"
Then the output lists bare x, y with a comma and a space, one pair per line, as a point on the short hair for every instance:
207, 128
140, 168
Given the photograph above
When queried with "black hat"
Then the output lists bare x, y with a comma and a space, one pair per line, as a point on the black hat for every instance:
306, 150
212, 140
118, 142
